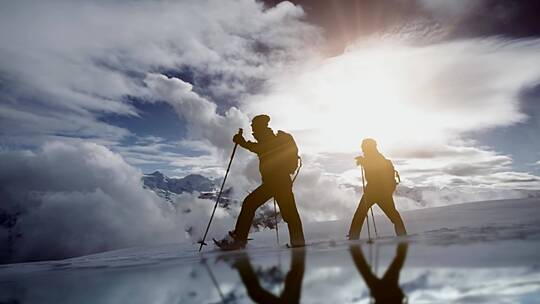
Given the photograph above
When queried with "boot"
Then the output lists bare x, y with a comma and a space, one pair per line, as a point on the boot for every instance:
230, 242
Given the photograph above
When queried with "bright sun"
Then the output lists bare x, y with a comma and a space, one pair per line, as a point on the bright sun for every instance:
372, 92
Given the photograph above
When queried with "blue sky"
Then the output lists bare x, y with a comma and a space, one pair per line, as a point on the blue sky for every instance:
520, 140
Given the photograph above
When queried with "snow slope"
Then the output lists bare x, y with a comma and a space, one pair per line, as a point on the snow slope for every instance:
478, 252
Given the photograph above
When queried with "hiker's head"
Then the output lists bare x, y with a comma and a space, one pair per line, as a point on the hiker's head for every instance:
369, 146
259, 125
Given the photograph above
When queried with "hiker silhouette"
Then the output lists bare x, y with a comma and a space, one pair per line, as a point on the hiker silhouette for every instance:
293, 281
381, 184
278, 159
385, 289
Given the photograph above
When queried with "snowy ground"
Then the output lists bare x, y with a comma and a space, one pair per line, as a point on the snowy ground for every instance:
486, 252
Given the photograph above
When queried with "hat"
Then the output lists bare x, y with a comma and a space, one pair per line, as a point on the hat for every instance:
369, 143
260, 120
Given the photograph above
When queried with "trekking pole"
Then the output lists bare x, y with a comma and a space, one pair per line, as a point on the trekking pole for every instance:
220, 192
214, 281
367, 217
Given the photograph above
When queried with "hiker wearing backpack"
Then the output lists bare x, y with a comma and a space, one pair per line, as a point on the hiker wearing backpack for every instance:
278, 159
381, 184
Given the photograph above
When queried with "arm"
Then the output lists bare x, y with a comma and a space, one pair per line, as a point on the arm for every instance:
248, 145
360, 161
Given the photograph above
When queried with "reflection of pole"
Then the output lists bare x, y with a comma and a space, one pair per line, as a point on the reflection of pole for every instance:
276, 221
214, 281
219, 195
374, 225
376, 267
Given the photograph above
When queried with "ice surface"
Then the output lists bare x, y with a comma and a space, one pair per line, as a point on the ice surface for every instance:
486, 252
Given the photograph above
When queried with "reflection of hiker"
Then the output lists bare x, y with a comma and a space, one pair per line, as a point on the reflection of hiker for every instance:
278, 159
385, 289
381, 183
293, 281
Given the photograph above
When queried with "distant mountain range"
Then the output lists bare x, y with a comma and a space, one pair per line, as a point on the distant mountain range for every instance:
169, 187
190, 183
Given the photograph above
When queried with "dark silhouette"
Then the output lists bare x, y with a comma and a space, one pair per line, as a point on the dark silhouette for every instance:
278, 159
385, 289
381, 184
293, 281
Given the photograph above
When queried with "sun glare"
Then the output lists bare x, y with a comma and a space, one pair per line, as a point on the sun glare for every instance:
364, 93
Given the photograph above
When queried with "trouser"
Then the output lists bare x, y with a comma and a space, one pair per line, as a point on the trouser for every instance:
386, 203
281, 190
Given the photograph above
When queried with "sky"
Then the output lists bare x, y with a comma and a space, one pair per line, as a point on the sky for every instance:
450, 90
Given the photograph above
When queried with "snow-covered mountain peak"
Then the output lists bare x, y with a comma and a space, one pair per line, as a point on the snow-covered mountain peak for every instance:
190, 183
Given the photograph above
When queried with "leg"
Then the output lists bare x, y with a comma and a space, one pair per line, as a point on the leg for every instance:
285, 199
391, 276
389, 208
253, 201
293, 281
251, 281
363, 267
358, 218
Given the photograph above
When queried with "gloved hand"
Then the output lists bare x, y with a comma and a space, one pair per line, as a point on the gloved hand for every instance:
238, 138
359, 160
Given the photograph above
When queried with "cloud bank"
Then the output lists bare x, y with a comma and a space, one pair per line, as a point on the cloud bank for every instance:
78, 199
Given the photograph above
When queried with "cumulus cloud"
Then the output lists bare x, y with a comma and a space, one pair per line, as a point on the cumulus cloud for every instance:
76, 63
200, 114
73, 199
70, 63
322, 197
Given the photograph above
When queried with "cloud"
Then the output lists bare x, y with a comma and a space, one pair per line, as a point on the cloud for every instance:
321, 197
200, 114
421, 102
75, 199
391, 88
446, 10
87, 60
71, 63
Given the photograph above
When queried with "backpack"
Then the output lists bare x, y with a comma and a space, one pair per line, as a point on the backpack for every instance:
288, 152
391, 176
